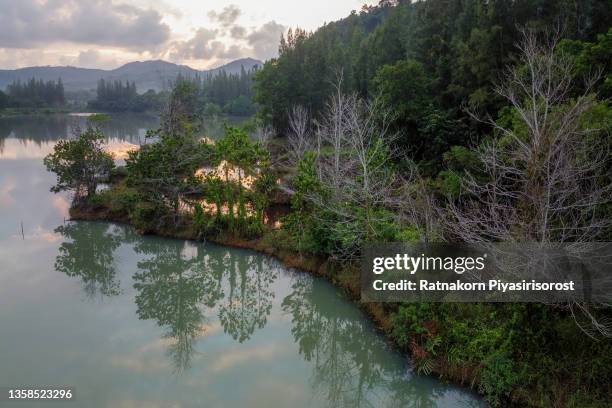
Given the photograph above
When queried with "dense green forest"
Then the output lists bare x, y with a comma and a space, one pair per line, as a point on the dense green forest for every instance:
428, 60
438, 121
432, 121
217, 94
223, 93
114, 96
33, 94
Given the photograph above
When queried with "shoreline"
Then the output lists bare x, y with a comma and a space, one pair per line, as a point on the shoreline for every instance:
346, 279
386, 318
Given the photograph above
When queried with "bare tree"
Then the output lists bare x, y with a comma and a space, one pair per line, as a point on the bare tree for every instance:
415, 205
299, 140
353, 153
331, 129
263, 134
546, 177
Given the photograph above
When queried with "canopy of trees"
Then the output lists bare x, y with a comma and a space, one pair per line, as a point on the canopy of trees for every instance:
429, 59
114, 96
179, 170
80, 163
223, 93
430, 121
33, 94
216, 94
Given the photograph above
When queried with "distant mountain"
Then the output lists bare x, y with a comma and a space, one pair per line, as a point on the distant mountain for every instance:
146, 74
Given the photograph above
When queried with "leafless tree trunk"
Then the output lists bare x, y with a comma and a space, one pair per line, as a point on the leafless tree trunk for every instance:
299, 140
353, 153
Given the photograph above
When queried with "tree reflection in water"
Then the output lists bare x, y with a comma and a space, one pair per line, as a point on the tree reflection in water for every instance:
180, 279
249, 297
175, 283
178, 284
351, 366
87, 253
171, 287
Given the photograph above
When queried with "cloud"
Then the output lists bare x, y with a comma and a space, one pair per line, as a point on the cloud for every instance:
238, 32
227, 16
33, 23
212, 44
94, 59
201, 46
264, 40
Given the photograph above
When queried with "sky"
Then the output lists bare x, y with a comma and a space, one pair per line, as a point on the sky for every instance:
109, 33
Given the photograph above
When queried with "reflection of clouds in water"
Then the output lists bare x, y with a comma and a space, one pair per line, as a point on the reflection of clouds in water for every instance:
141, 363
236, 357
20, 149
61, 205
144, 403
5, 191
189, 250
39, 234
120, 148
46, 235
163, 343
154, 345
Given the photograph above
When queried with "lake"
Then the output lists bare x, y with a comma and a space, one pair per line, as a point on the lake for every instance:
141, 321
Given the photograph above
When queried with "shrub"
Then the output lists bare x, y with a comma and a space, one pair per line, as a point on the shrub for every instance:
145, 216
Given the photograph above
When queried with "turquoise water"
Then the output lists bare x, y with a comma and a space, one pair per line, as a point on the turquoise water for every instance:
133, 321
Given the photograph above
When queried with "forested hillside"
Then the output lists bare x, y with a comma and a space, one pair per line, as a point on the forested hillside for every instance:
157, 75
429, 61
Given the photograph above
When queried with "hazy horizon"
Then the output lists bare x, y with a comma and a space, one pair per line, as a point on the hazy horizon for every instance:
130, 62
106, 34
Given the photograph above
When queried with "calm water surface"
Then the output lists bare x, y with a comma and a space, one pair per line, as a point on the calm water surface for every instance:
132, 321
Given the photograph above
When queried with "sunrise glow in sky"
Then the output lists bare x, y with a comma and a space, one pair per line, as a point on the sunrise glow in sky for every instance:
108, 33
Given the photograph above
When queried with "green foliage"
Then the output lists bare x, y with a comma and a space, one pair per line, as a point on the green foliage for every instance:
498, 377
122, 199
212, 109
116, 97
242, 160
205, 224
458, 160
178, 169
79, 164
512, 348
233, 92
336, 227
305, 230
147, 216
163, 172
427, 60
591, 57
404, 85
410, 234
34, 94
241, 106
222, 92
4, 100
